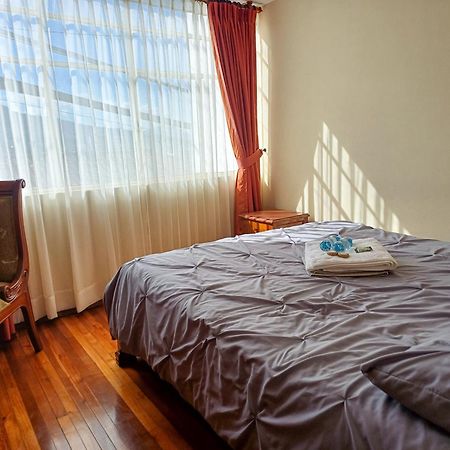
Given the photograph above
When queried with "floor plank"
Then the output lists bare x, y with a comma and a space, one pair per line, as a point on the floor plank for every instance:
68, 369
7, 412
141, 407
33, 397
72, 395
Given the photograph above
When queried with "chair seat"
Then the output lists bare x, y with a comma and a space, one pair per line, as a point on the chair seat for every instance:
3, 304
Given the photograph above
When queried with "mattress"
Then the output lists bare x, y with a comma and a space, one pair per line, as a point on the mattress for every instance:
270, 356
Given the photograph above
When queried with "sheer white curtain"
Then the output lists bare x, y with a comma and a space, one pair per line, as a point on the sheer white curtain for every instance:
111, 113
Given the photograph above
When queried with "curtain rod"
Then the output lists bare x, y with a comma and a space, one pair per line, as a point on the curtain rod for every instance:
248, 4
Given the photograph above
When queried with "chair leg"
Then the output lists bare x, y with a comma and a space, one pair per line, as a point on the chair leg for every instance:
31, 324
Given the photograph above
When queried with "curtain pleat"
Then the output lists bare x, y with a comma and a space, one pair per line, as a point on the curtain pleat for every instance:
111, 112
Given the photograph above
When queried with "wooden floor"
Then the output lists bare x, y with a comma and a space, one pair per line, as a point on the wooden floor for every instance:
73, 395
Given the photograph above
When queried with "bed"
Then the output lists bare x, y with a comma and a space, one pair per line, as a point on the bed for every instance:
273, 358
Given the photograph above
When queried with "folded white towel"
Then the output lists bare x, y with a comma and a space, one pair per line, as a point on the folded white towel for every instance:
375, 262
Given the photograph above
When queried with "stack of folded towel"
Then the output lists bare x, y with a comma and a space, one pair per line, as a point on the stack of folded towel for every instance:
375, 262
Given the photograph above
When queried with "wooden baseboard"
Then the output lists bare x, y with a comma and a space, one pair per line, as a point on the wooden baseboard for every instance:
65, 313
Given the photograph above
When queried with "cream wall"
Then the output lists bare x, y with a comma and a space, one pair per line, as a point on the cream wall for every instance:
356, 111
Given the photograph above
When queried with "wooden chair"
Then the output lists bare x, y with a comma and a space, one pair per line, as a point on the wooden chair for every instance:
14, 259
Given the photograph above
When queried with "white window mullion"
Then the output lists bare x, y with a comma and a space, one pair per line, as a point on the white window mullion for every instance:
134, 98
52, 132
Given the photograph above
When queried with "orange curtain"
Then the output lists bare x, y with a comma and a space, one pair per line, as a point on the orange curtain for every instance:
233, 33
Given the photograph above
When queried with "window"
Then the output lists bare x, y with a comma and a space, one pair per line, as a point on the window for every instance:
108, 93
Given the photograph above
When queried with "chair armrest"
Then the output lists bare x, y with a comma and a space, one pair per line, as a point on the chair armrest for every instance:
15, 288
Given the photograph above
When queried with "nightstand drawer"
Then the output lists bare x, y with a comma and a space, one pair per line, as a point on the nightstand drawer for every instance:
257, 221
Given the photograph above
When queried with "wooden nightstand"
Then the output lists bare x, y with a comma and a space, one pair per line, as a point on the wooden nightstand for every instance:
257, 221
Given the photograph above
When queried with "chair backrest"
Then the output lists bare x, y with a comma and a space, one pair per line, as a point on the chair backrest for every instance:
13, 249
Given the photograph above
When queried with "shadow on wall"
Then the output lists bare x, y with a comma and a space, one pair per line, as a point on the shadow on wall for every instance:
339, 190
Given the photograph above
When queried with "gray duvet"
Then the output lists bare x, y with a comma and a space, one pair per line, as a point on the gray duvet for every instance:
271, 356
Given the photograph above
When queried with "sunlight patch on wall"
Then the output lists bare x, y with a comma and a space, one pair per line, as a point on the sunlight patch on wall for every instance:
341, 191
262, 70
